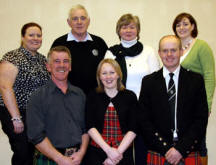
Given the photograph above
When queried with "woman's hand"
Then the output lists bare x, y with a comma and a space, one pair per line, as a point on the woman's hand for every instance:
18, 126
114, 155
108, 161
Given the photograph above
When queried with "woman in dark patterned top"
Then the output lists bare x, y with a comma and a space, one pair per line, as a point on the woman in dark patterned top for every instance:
22, 71
110, 118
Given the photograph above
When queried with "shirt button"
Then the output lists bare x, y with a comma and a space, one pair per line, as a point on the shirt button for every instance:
156, 134
164, 143
160, 139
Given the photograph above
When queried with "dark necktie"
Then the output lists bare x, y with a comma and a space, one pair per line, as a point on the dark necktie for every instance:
172, 98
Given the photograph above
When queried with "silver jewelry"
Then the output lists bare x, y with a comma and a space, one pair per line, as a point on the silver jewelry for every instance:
95, 52
187, 45
17, 119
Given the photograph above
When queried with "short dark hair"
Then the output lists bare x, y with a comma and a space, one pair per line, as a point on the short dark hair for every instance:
58, 49
179, 18
27, 25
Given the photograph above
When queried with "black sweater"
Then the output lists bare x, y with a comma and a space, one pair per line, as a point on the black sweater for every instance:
125, 103
85, 59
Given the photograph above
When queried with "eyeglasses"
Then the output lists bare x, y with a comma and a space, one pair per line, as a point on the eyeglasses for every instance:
82, 18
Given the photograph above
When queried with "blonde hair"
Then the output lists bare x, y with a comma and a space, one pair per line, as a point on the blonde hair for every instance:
116, 67
126, 19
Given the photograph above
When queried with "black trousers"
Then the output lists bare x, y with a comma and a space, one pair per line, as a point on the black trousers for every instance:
96, 156
23, 151
140, 151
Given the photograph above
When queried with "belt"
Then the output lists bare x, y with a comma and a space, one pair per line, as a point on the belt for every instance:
69, 150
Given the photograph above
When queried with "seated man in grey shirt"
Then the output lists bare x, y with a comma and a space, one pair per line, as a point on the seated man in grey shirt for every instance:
55, 115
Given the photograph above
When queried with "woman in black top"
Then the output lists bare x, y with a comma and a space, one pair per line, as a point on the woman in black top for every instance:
110, 118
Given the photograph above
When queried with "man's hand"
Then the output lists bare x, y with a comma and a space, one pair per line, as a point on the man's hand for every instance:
76, 158
64, 160
173, 156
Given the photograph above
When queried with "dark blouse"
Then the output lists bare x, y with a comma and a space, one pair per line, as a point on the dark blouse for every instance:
32, 73
125, 103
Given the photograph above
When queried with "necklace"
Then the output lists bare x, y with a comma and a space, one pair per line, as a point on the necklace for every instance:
187, 45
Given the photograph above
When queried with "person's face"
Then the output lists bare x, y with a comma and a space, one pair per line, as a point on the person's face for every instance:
128, 32
184, 28
33, 39
59, 66
170, 53
79, 22
108, 76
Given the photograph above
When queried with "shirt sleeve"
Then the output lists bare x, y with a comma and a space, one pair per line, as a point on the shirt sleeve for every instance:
35, 119
208, 66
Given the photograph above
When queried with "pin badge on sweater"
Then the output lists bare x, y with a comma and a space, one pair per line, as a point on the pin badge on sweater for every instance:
95, 52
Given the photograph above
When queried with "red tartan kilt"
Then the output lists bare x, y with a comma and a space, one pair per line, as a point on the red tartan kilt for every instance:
154, 158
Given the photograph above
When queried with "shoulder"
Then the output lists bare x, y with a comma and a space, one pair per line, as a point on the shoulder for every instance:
153, 76
115, 49
201, 44
148, 48
128, 94
14, 56
98, 40
192, 76
60, 39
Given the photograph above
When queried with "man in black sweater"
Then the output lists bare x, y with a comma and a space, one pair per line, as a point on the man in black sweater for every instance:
87, 50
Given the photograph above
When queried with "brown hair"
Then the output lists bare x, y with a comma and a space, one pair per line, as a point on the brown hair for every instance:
116, 67
58, 49
126, 19
26, 26
179, 18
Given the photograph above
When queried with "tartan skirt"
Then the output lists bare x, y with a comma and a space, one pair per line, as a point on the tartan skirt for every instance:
40, 159
154, 158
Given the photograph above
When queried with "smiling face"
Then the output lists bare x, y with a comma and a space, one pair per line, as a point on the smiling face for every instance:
170, 52
128, 32
59, 66
108, 76
184, 28
79, 22
32, 39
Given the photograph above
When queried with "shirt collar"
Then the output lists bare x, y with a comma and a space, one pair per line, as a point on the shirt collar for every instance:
166, 72
71, 37
53, 88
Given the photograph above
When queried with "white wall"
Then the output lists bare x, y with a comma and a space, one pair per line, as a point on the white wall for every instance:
156, 18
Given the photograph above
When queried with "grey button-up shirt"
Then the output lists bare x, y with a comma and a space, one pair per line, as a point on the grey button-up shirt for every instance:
58, 116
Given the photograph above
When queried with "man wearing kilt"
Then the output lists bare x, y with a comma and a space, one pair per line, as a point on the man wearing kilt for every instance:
173, 110
55, 115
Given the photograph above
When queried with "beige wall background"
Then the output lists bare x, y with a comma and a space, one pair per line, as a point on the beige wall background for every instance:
156, 18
